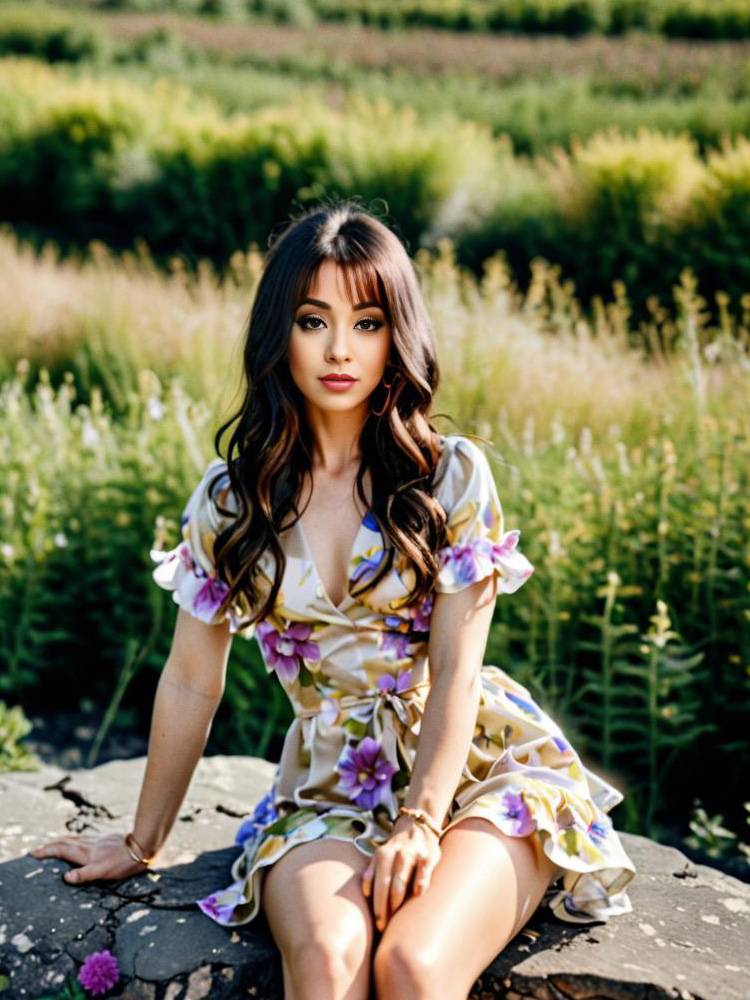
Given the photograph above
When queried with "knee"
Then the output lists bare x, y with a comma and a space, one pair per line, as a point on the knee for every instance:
327, 966
404, 971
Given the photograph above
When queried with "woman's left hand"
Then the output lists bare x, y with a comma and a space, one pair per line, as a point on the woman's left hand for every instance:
412, 848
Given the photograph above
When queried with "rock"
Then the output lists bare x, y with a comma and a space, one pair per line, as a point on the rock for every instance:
686, 938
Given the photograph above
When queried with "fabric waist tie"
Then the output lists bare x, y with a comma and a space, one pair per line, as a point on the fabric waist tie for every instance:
352, 700
388, 732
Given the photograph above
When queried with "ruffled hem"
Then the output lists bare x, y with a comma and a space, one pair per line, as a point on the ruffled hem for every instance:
239, 903
594, 878
591, 891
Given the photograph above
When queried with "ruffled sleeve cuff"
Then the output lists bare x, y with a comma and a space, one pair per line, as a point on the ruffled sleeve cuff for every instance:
188, 570
462, 565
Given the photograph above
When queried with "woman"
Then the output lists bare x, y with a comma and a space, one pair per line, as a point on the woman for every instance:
430, 800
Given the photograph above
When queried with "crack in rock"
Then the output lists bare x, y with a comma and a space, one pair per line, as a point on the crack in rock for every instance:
83, 805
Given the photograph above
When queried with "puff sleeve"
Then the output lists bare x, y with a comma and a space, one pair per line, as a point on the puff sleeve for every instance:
188, 570
478, 545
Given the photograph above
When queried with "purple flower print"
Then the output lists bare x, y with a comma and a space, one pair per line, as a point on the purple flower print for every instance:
99, 972
423, 615
211, 595
365, 774
515, 815
462, 559
387, 682
562, 744
265, 812
464, 562
285, 650
396, 641
221, 905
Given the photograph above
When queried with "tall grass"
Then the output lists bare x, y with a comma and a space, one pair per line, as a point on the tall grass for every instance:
627, 471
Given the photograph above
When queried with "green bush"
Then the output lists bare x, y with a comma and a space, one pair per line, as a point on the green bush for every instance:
53, 35
14, 726
83, 158
706, 19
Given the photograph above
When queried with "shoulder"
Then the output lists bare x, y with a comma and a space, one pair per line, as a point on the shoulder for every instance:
211, 497
462, 466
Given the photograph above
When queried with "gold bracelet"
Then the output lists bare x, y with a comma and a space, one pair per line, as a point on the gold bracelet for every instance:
142, 860
421, 816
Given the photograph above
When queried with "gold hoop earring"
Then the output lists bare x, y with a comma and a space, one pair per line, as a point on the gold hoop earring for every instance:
379, 413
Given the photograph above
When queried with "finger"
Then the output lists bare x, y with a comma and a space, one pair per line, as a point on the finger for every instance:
48, 849
367, 878
422, 876
85, 874
399, 884
67, 850
381, 889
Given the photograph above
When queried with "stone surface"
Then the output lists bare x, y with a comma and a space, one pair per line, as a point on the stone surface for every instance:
686, 939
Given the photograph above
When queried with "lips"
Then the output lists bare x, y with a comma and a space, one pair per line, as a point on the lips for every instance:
341, 379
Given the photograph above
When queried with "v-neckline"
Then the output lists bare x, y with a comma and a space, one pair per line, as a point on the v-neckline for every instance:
352, 552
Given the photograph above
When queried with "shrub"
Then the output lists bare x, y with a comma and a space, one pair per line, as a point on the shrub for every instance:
14, 727
49, 34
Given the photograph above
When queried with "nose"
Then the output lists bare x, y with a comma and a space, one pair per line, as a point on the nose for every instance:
337, 343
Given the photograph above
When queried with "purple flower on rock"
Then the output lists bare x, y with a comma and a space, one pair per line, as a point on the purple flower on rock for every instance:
515, 815
285, 650
99, 972
365, 773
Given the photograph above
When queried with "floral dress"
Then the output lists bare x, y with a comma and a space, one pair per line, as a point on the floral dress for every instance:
357, 677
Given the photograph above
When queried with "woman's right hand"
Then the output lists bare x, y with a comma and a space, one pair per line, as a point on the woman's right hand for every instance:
104, 857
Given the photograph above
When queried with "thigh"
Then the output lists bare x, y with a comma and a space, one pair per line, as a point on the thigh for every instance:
313, 901
483, 890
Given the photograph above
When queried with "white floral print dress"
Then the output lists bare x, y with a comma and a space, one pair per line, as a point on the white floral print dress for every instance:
357, 678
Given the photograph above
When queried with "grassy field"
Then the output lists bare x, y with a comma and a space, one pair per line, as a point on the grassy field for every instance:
558, 260
626, 472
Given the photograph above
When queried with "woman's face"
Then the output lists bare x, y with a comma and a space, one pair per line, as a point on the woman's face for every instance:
333, 336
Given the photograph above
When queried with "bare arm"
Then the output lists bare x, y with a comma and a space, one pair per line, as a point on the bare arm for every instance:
459, 627
187, 696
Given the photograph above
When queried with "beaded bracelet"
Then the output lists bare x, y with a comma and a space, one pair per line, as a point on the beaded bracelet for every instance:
421, 816
142, 860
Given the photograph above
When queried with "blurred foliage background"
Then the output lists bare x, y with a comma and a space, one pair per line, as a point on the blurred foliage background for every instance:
573, 181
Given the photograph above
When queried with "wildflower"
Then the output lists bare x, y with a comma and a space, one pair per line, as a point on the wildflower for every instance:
99, 972
155, 408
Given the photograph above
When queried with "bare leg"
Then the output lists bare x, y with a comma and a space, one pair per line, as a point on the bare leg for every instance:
320, 920
484, 889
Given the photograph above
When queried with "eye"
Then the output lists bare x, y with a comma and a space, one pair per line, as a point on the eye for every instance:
303, 320
376, 324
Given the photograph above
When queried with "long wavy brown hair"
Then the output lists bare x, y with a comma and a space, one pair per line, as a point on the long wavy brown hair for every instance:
270, 448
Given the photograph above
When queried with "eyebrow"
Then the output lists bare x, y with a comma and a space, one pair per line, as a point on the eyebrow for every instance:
325, 305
